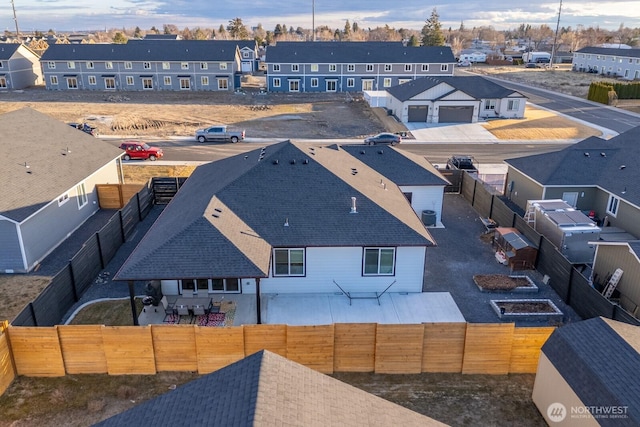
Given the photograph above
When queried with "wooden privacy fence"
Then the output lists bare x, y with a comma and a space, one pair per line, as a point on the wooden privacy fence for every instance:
363, 347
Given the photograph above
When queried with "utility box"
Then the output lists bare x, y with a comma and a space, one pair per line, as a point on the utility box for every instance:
567, 228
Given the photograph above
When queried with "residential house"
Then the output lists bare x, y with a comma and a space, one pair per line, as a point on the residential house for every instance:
625, 256
420, 182
615, 62
592, 175
453, 100
181, 65
351, 66
588, 375
287, 218
49, 185
265, 389
19, 67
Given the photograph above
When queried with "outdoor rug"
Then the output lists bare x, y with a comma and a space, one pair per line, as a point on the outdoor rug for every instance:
223, 318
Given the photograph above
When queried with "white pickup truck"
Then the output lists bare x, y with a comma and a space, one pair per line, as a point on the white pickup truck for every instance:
219, 133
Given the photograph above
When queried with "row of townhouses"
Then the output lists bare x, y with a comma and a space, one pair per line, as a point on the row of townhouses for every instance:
614, 62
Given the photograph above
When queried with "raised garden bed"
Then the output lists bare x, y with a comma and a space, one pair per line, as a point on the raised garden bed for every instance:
502, 283
529, 309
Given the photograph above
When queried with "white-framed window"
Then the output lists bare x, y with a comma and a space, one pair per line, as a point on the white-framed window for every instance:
425, 67
128, 65
351, 82
490, 104
444, 67
204, 66
386, 82
146, 65
333, 68
314, 82
91, 80
369, 67
51, 65
314, 68
108, 65
109, 83
407, 67
204, 80
401, 81
167, 80
223, 65
294, 85
1, 64
129, 80
246, 55
71, 65
185, 83
288, 262
147, 83
63, 199
82, 196
53, 80
166, 65
367, 84
332, 85
72, 83
612, 205
513, 105
3, 82
351, 68
276, 67
388, 67
276, 82
223, 84
184, 65
379, 262
295, 67
89, 65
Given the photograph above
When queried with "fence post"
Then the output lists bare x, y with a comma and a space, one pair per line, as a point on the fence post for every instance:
138, 204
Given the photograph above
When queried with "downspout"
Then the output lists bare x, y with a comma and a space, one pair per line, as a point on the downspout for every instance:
258, 315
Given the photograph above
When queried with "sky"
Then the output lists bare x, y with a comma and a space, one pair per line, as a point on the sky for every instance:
76, 15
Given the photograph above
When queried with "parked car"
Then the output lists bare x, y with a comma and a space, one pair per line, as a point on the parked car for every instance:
466, 163
85, 127
531, 65
464, 63
383, 138
140, 150
219, 133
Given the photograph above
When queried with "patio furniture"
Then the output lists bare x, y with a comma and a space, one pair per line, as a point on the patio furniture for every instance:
198, 310
183, 310
168, 307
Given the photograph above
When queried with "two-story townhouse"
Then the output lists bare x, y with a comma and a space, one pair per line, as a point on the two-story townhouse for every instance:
623, 63
19, 67
351, 66
192, 65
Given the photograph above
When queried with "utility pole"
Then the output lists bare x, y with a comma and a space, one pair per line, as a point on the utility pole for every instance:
555, 39
15, 18
313, 19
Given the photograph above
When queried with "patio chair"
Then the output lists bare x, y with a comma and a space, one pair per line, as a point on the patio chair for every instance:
183, 310
198, 310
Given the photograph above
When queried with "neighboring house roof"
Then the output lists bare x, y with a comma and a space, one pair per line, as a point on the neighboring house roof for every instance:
42, 158
265, 389
609, 164
8, 49
635, 247
475, 86
255, 194
634, 53
357, 52
599, 359
143, 50
400, 166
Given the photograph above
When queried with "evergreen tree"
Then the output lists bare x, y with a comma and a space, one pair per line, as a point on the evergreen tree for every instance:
347, 29
414, 41
119, 38
355, 27
432, 31
237, 29
277, 32
137, 33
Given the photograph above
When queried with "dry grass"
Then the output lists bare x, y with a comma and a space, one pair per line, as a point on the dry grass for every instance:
17, 291
108, 313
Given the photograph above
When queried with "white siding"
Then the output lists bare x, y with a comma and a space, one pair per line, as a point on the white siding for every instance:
426, 198
344, 265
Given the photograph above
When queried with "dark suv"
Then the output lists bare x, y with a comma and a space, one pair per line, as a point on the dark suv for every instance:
140, 150
465, 163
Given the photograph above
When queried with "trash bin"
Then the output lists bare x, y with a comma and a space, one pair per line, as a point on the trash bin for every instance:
429, 217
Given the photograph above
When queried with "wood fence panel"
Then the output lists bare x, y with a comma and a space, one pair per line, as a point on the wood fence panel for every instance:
502, 214
7, 370
265, 337
312, 346
36, 351
468, 187
129, 350
82, 349
130, 190
86, 264
483, 200
109, 196
174, 347
443, 347
525, 349
487, 348
218, 347
354, 347
399, 349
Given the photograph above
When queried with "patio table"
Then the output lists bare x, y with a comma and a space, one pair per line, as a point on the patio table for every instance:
191, 302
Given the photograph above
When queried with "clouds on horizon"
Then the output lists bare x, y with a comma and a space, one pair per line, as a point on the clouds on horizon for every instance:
70, 15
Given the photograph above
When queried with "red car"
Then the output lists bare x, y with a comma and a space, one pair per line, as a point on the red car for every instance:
140, 150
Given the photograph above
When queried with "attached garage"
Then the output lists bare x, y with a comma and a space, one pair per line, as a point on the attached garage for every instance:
418, 113
458, 114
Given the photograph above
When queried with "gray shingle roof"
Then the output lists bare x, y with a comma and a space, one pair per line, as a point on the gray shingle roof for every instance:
7, 50
310, 188
591, 162
53, 169
357, 53
400, 166
635, 247
265, 389
475, 86
600, 366
629, 53
143, 50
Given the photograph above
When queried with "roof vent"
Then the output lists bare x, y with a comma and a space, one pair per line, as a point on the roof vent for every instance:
586, 154
622, 167
246, 157
380, 151
362, 152
603, 154
293, 161
275, 162
286, 222
305, 161
353, 206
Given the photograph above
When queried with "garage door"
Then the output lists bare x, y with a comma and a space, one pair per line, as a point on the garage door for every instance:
418, 113
455, 115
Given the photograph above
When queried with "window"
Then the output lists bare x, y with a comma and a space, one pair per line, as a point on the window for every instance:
332, 85
276, 67
146, 65
185, 83
388, 67
386, 82
109, 83
166, 66
1, 64
367, 85
204, 80
82, 196
490, 104
444, 67
167, 80
71, 65
3, 82
184, 65
612, 205
369, 67
513, 105
90, 65
129, 80
147, 83
351, 67
314, 82
314, 68
407, 67
223, 84
379, 261
295, 67
108, 65
246, 55
425, 67
401, 81
276, 82
51, 65
225, 285
351, 82
128, 65
63, 199
333, 68
204, 66
294, 85
92, 80
72, 83
53, 80
223, 66
288, 262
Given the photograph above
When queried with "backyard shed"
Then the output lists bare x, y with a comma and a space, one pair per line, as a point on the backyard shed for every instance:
520, 253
